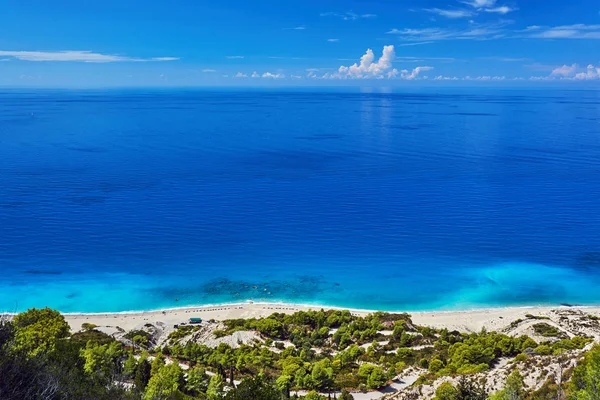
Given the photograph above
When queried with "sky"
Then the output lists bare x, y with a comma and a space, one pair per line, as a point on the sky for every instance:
188, 43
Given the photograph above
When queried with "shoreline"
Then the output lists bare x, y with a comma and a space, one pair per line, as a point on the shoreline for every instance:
469, 320
325, 307
318, 306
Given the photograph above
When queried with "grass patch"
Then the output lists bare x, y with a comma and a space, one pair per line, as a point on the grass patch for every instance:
547, 330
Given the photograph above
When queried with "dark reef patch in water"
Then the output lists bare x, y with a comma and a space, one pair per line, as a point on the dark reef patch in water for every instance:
41, 272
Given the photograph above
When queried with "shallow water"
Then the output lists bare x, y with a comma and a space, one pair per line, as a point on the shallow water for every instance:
129, 200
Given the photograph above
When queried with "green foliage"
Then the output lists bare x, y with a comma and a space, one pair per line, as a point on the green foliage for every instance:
91, 335
345, 395
139, 337
470, 389
477, 352
165, 384
38, 330
197, 381
435, 365
181, 332
521, 357
88, 327
547, 330
549, 391
530, 316
215, 387
257, 388
513, 390
446, 391
157, 364
142, 375
92, 365
313, 395
585, 382
377, 378
130, 366
102, 361
543, 350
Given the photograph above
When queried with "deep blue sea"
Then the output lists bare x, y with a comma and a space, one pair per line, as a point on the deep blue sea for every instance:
129, 200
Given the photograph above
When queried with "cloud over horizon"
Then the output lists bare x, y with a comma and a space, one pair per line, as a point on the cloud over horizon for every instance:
77, 56
369, 68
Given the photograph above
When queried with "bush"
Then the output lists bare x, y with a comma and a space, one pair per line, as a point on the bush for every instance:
547, 330
521, 357
435, 365
446, 391
543, 350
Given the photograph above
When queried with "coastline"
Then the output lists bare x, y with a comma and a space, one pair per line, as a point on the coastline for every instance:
468, 320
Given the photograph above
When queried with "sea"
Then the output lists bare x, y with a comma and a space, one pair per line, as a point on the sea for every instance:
399, 200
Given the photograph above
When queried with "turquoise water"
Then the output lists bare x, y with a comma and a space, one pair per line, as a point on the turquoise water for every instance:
131, 200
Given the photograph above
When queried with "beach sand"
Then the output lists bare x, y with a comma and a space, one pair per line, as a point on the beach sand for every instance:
494, 319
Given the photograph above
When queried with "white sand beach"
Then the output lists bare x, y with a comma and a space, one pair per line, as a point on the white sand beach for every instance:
465, 321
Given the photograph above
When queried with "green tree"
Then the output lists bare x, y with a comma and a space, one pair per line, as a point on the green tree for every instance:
513, 390
469, 389
215, 387
284, 383
435, 365
165, 384
446, 391
157, 364
197, 381
142, 375
86, 326
102, 362
364, 371
312, 395
322, 374
256, 388
38, 330
130, 366
345, 395
585, 382
377, 378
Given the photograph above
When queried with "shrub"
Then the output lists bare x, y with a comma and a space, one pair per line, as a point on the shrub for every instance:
547, 330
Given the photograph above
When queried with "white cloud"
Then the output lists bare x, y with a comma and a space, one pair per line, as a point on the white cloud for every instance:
347, 16
489, 6
474, 31
234, 57
591, 73
565, 70
573, 71
445, 78
286, 58
414, 44
209, 70
450, 13
481, 3
404, 74
240, 75
296, 28
505, 59
500, 10
273, 76
77, 56
368, 68
333, 40
575, 31
255, 75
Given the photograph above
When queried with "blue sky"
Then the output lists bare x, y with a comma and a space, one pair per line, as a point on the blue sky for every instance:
108, 43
